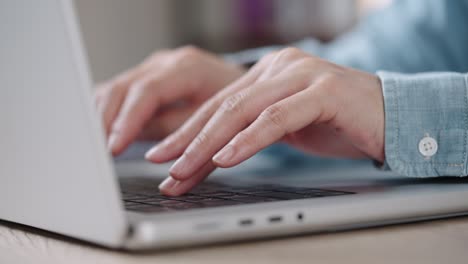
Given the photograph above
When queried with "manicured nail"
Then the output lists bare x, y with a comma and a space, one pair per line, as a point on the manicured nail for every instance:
178, 167
157, 152
168, 184
112, 142
224, 155
152, 153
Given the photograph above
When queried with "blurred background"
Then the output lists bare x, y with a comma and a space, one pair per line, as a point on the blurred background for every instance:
120, 33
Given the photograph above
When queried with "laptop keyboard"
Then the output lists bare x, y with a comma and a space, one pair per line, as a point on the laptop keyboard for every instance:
142, 195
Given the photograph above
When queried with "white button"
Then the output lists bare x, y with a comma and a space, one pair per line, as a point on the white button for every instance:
428, 146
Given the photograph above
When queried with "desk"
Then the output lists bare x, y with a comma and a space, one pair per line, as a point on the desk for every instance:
443, 241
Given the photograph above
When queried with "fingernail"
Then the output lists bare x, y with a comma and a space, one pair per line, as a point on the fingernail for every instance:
168, 184
178, 167
224, 155
112, 142
150, 153
153, 152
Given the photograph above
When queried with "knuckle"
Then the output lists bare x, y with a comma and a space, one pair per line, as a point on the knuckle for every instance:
246, 139
142, 85
188, 51
185, 56
214, 103
109, 89
275, 115
206, 110
233, 104
114, 87
190, 154
307, 63
288, 53
270, 56
117, 83
200, 141
329, 85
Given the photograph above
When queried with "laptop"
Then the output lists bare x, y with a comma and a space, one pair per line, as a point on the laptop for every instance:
57, 175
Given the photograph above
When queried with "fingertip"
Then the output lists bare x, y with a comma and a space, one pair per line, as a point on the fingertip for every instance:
181, 169
149, 155
112, 143
115, 144
172, 187
167, 184
225, 157
175, 187
221, 164
226, 164
177, 175
155, 155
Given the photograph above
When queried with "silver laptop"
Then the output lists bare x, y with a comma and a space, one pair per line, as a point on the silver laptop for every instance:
56, 173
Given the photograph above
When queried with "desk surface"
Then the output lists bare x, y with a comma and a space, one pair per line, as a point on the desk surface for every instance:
443, 241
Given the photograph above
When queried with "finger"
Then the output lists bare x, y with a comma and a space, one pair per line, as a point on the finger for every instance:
111, 95
173, 187
142, 101
161, 125
286, 116
109, 104
234, 115
174, 145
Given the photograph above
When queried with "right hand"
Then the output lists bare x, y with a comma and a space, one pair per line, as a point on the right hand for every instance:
153, 99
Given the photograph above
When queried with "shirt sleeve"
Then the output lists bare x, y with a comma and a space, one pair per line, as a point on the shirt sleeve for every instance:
409, 36
426, 123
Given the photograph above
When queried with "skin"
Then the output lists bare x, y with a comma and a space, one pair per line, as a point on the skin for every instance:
314, 105
153, 99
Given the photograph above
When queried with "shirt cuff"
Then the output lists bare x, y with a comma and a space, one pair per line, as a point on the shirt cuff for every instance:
426, 123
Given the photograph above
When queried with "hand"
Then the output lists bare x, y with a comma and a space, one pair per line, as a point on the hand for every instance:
155, 98
315, 105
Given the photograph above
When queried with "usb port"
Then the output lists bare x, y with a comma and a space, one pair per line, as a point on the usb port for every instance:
275, 219
246, 222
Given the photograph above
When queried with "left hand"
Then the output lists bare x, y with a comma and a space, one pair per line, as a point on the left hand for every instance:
310, 103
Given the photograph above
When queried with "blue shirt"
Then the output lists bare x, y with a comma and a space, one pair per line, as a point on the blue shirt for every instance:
419, 49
